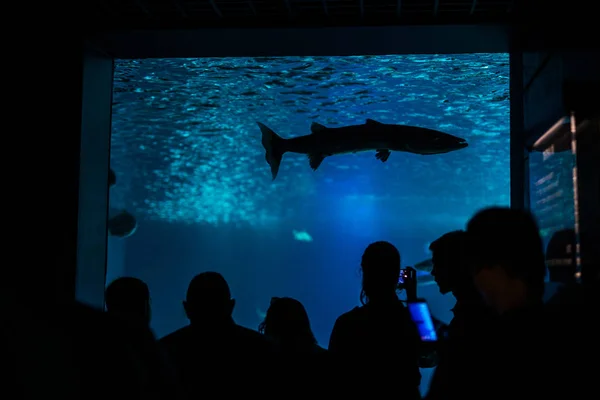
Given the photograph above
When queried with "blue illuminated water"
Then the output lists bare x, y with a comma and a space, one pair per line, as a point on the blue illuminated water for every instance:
190, 165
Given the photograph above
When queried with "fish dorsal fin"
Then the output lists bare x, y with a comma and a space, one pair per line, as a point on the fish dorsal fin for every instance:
373, 122
315, 127
315, 160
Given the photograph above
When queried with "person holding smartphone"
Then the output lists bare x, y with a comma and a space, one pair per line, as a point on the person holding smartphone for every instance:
452, 273
380, 335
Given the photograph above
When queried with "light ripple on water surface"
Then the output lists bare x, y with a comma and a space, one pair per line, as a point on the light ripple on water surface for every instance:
186, 148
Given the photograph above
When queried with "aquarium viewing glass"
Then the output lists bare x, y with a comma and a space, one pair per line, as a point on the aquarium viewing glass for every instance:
189, 162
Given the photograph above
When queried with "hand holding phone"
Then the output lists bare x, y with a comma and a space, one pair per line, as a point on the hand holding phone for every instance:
408, 282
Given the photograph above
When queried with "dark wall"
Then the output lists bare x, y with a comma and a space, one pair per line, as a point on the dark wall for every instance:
543, 77
41, 141
542, 93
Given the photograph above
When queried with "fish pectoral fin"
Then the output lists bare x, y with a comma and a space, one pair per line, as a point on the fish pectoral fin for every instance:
315, 160
383, 155
315, 127
373, 122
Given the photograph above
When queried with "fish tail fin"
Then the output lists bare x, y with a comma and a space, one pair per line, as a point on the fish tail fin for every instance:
273, 144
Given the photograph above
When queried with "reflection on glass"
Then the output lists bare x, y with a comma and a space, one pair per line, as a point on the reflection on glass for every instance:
554, 194
551, 181
190, 166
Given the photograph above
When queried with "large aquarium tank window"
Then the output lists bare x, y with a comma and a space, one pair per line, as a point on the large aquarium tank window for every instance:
191, 168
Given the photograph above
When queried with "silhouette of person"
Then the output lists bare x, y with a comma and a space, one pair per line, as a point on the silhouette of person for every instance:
452, 273
509, 271
213, 349
509, 262
127, 301
82, 352
287, 323
573, 308
58, 347
129, 298
380, 333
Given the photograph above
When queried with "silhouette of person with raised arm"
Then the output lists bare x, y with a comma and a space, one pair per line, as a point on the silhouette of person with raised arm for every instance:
213, 349
287, 323
128, 298
380, 335
458, 353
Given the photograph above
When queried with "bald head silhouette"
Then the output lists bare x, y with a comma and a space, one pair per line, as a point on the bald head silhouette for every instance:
208, 298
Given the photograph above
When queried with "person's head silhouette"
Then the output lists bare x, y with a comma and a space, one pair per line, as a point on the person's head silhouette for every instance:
507, 257
380, 272
128, 297
287, 322
451, 269
208, 299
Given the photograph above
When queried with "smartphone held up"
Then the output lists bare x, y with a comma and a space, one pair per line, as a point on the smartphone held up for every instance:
421, 316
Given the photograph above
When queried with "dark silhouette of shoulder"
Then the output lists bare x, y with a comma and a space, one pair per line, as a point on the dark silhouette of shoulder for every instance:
234, 339
369, 328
